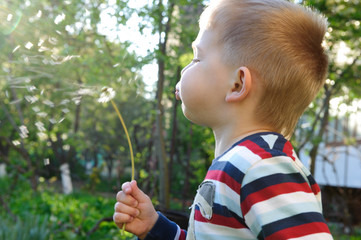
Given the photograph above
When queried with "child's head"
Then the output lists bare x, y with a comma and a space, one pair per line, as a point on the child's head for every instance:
281, 43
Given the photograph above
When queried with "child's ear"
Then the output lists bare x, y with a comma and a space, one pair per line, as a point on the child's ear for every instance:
241, 85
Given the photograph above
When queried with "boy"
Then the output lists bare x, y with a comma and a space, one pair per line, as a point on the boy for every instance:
257, 66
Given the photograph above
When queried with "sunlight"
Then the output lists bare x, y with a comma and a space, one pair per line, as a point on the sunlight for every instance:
343, 54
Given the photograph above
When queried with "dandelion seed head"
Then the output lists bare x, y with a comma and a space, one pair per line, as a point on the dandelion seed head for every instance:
106, 95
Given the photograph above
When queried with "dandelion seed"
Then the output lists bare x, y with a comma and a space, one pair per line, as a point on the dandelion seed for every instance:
62, 119
65, 110
76, 100
15, 101
43, 49
39, 14
31, 99
31, 88
85, 91
116, 65
16, 48
36, 109
58, 32
16, 142
41, 41
64, 102
42, 136
46, 161
10, 17
42, 114
40, 126
52, 121
58, 19
28, 45
53, 40
23, 131
49, 103
106, 95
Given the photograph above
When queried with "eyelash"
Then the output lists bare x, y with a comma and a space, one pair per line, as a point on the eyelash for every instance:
195, 60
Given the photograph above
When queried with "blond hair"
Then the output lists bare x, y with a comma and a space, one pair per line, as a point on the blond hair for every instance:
281, 43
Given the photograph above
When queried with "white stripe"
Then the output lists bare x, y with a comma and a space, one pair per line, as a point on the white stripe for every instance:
281, 213
178, 233
269, 166
318, 236
241, 157
277, 202
225, 196
210, 231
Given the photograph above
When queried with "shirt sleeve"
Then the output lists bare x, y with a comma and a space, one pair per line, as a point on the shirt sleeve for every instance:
278, 203
164, 229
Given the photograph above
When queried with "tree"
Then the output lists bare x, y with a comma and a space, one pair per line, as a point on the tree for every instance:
48, 72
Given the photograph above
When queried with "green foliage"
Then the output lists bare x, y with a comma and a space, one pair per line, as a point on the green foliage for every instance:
52, 215
30, 227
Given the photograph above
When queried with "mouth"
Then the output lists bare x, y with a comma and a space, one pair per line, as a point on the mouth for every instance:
177, 92
177, 95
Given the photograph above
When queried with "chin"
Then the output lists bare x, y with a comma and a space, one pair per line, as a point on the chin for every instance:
194, 119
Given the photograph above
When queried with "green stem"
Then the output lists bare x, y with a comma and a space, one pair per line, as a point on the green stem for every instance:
126, 133
129, 143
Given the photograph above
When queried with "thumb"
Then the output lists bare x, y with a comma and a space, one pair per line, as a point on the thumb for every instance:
138, 194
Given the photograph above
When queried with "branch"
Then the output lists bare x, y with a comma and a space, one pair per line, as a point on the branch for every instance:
105, 219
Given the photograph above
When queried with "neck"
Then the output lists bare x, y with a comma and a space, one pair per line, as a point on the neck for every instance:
225, 138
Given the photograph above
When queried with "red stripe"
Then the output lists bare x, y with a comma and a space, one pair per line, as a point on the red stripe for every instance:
288, 149
315, 188
272, 191
256, 149
223, 177
300, 231
182, 235
219, 220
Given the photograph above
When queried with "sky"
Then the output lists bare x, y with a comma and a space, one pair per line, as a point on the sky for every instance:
141, 43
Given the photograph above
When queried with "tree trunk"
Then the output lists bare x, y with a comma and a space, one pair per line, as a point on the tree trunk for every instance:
164, 30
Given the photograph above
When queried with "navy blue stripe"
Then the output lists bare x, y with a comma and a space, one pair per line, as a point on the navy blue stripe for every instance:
163, 229
270, 180
296, 220
252, 138
224, 211
277, 149
229, 169
311, 180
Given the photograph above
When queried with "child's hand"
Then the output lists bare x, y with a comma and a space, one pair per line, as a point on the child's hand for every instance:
135, 209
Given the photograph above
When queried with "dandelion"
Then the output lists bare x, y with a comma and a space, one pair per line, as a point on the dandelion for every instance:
107, 95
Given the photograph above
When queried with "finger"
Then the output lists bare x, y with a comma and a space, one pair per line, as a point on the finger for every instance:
126, 199
121, 218
126, 187
138, 194
125, 209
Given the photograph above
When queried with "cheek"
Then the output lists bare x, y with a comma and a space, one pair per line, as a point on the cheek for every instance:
189, 88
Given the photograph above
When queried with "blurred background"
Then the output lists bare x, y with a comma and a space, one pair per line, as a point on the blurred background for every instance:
64, 155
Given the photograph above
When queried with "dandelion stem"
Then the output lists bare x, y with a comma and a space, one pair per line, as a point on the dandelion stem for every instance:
126, 133
129, 143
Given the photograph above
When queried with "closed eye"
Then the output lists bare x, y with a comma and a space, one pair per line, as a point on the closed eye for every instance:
195, 60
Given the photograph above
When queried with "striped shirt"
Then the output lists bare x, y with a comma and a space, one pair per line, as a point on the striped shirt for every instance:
258, 189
